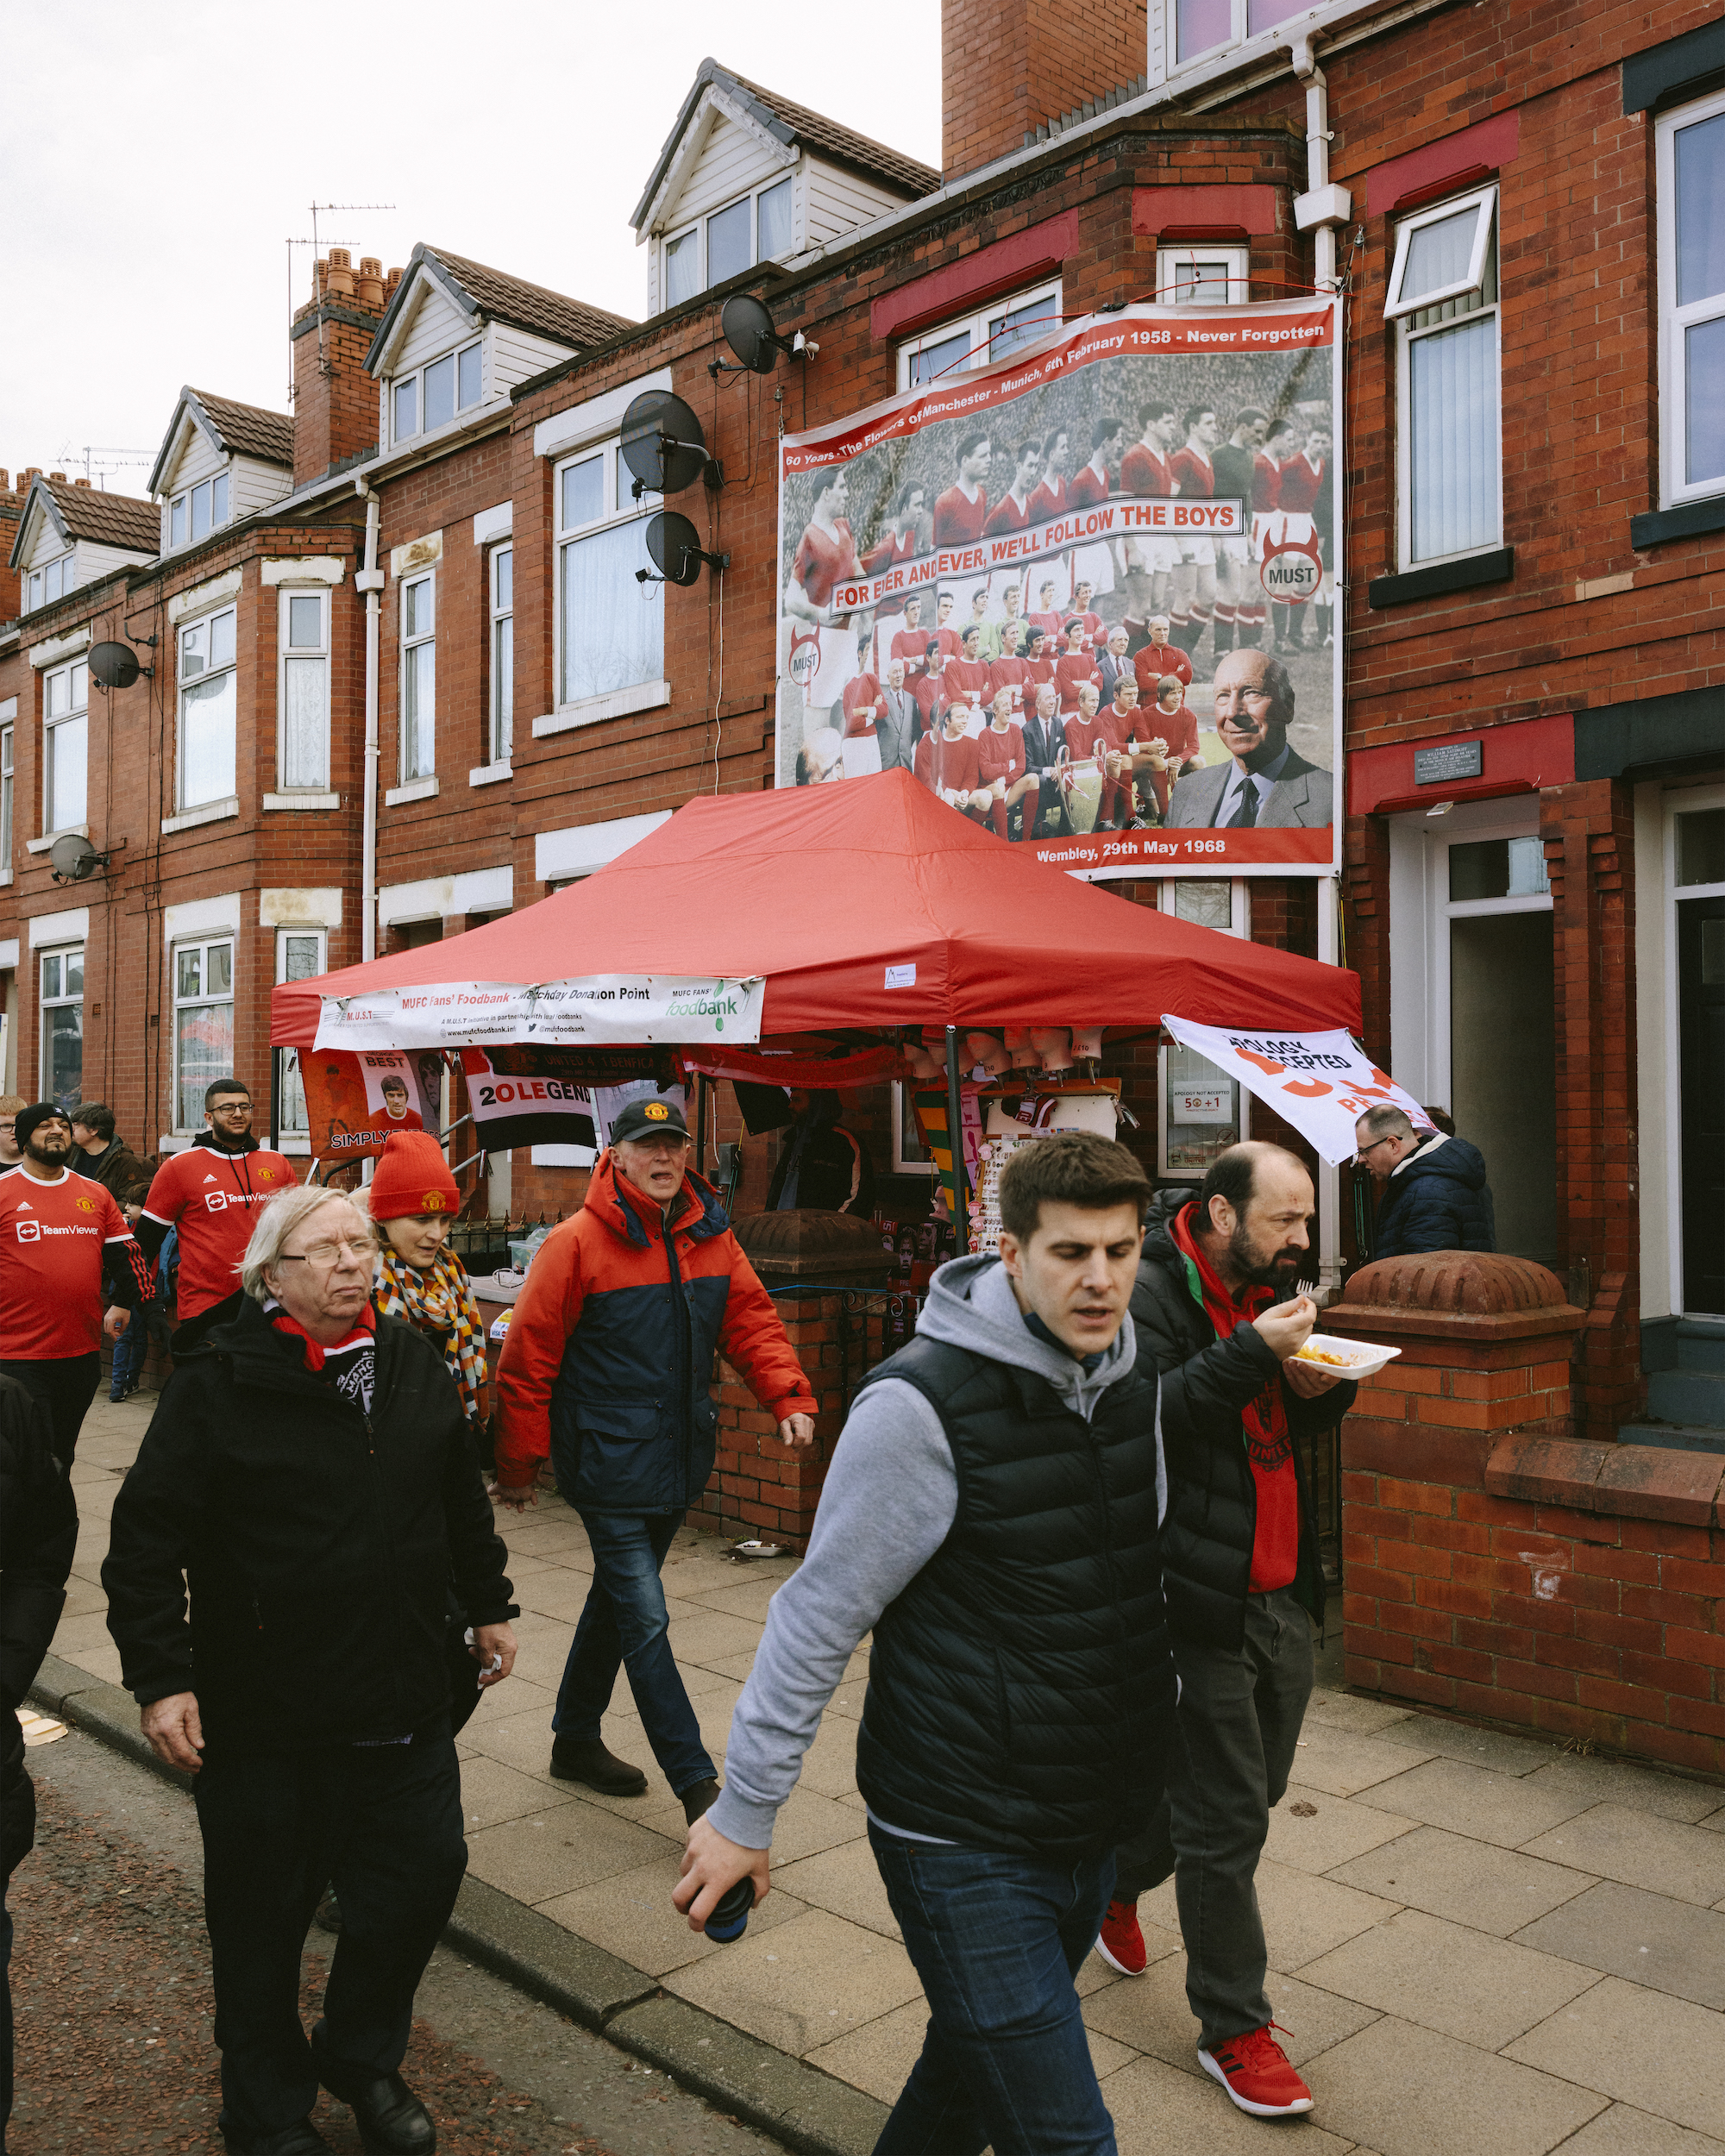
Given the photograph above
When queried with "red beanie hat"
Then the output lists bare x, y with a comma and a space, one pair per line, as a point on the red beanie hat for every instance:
412, 1176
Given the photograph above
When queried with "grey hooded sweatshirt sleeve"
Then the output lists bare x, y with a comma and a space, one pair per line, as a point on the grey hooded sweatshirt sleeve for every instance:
889, 1501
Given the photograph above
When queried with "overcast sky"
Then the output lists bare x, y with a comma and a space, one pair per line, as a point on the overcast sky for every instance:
155, 159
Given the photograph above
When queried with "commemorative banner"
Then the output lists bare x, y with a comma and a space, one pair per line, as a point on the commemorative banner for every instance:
1322, 1083
353, 1102
1085, 593
598, 1010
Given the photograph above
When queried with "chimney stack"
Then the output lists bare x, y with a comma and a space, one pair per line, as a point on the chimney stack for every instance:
1010, 66
335, 400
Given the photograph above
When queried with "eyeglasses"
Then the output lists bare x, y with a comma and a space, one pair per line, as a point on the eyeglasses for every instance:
325, 1254
1366, 1150
232, 1107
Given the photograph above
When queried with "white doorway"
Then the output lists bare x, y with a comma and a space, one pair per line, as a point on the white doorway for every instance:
1472, 1008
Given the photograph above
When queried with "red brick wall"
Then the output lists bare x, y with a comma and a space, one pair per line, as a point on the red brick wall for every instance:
1009, 66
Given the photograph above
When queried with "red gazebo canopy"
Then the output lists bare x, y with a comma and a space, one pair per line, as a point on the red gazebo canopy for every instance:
833, 892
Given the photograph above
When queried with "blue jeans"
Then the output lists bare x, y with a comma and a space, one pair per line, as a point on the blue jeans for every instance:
130, 1351
625, 1625
996, 1940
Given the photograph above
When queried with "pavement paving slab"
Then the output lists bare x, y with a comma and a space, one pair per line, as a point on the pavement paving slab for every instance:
802, 1985
1151, 2013
1619, 1782
1446, 1978
1313, 1831
1477, 1801
1660, 2054
630, 1914
1649, 1939
1492, 1748
1663, 1855
1471, 1883
1623, 2131
1343, 1762
1160, 2111
1404, 2091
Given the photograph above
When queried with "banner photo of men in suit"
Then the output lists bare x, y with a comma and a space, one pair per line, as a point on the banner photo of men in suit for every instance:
1085, 593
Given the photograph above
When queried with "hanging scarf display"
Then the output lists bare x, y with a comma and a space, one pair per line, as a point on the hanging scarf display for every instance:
439, 1302
1264, 1421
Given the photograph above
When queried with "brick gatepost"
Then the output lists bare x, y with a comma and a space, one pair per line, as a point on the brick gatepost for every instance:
1498, 1562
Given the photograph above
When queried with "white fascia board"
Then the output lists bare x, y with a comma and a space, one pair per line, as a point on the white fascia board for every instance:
201, 917
440, 897
595, 418
560, 855
70, 927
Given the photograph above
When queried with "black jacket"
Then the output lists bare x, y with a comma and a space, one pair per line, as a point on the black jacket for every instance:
318, 1543
1019, 1687
1437, 1200
118, 1169
38, 1539
1211, 1516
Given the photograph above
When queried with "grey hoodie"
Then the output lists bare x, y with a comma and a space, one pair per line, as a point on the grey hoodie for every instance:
889, 1501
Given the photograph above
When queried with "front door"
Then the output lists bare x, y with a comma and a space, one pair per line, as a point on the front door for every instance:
1700, 853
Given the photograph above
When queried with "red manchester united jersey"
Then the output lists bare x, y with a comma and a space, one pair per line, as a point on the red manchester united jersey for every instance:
1008, 515
1155, 661
947, 766
957, 521
1193, 472
822, 560
1300, 479
1075, 670
1144, 471
213, 1198
1266, 484
53, 1239
1088, 486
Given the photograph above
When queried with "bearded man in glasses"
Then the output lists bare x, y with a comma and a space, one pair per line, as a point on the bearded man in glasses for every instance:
309, 1478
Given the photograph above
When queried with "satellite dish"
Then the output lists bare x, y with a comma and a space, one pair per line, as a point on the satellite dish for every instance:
73, 858
662, 443
675, 549
115, 666
748, 327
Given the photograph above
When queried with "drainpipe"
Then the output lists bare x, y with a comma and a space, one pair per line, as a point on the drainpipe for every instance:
1322, 207
370, 581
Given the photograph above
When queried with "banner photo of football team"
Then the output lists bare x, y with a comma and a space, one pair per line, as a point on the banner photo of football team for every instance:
1085, 593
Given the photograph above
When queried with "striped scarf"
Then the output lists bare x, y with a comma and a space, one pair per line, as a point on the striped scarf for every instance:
440, 1303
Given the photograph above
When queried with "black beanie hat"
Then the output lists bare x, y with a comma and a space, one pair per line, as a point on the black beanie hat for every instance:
26, 1123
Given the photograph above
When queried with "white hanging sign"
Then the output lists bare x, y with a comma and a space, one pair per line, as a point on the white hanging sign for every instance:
1319, 1082
598, 1010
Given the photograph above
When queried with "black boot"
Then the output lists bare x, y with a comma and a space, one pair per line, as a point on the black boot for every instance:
586, 1760
391, 2119
301, 2138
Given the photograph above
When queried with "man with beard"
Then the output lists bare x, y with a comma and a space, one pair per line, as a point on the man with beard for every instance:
1265, 785
1245, 1583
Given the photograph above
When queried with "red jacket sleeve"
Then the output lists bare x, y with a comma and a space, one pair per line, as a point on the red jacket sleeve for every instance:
753, 1341
547, 1311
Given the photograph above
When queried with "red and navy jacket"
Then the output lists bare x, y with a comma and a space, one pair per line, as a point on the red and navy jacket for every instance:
608, 1361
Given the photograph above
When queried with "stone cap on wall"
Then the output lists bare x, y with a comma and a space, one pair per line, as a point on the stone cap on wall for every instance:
1454, 1294
807, 1243
1636, 1482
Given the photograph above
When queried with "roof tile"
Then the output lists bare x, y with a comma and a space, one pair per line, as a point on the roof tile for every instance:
548, 314
249, 429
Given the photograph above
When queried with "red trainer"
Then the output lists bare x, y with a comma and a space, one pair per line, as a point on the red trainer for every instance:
1255, 2071
1121, 1942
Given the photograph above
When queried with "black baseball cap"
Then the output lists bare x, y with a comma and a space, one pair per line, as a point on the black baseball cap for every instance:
649, 1119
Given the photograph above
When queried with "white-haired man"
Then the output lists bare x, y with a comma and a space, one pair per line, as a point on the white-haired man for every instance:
309, 1478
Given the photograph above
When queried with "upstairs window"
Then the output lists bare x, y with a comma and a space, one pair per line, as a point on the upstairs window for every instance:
757, 228
979, 339
203, 1024
502, 653
1689, 162
418, 678
48, 584
208, 747
610, 628
304, 635
5, 797
65, 747
1443, 301
1195, 30
1202, 276
433, 394
199, 511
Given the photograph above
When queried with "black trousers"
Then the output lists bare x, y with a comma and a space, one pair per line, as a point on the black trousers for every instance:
66, 1385
383, 1824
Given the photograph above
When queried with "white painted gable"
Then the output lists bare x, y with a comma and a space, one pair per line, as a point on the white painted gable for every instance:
724, 154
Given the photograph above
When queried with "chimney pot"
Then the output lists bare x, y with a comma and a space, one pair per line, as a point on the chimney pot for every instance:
61, 476
368, 288
80, 482
5, 480
340, 277
31, 471
389, 283
340, 258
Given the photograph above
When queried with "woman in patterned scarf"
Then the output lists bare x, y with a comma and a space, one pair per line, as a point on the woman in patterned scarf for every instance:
413, 1201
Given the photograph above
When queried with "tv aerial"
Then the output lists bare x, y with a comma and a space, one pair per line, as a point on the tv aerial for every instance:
115, 666
663, 446
73, 858
676, 552
747, 325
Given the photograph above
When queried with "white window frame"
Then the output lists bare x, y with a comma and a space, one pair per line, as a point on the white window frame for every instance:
45, 1003
300, 655
1164, 32
1695, 801
77, 678
1240, 924
296, 1140
223, 940
1482, 201
1171, 260
181, 507
205, 622
617, 507
501, 655
698, 227
1403, 318
61, 573
1675, 320
426, 579
8, 803
416, 376
902, 1110
1046, 298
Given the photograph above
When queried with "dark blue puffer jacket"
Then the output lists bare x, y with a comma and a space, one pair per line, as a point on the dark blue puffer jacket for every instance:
1437, 1200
